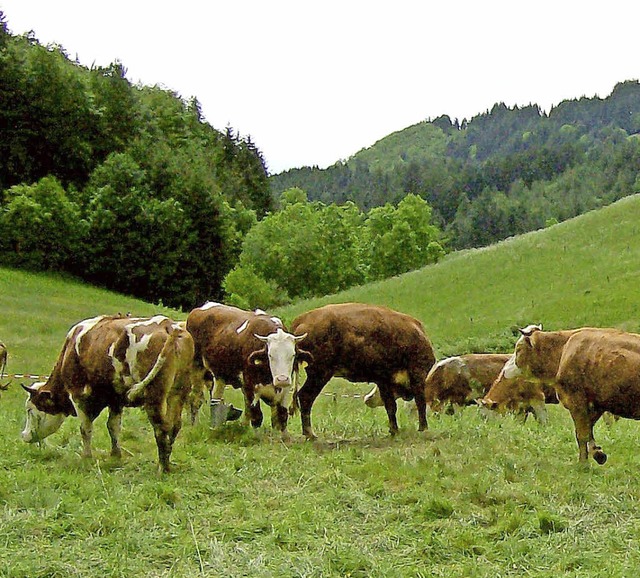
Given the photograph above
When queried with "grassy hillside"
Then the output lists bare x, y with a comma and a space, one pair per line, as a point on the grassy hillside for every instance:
585, 271
38, 310
467, 498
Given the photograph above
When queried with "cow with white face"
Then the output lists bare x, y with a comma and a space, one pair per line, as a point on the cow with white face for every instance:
250, 350
40, 424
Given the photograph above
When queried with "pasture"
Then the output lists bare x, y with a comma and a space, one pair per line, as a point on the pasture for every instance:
469, 497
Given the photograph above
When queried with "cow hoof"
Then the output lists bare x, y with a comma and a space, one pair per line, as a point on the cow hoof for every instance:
600, 457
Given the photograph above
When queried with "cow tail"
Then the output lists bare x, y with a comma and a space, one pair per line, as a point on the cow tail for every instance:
137, 390
294, 407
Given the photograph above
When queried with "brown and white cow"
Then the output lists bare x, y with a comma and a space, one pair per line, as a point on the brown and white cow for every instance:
455, 381
113, 362
365, 343
249, 350
594, 371
460, 380
518, 394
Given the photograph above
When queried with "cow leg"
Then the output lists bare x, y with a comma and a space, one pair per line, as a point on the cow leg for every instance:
421, 405
539, 408
584, 420
307, 394
390, 405
114, 425
196, 396
86, 431
163, 438
253, 413
279, 417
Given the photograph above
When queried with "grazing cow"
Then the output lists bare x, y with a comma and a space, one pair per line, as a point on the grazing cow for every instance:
248, 350
460, 380
455, 381
594, 371
113, 362
365, 343
518, 394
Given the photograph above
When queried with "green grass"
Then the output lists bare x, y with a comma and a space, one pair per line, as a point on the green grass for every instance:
469, 497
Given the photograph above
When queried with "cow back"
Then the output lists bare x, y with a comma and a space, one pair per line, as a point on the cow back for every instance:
364, 342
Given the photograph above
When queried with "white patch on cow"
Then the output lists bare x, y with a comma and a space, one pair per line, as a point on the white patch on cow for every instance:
277, 321
529, 329
118, 366
260, 312
157, 319
242, 327
373, 398
401, 377
131, 355
85, 326
510, 369
209, 305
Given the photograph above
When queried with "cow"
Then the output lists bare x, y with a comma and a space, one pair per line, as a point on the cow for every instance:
594, 371
112, 362
250, 350
455, 381
364, 343
518, 394
460, 380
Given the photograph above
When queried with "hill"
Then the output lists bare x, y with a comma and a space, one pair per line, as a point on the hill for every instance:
38, 310
503, 172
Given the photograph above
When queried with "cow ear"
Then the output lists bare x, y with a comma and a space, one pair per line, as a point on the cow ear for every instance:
258, 357
303, 356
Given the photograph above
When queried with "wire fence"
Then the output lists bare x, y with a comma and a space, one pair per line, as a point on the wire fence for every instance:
36, 377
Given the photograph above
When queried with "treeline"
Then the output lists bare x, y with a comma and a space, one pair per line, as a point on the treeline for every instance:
124, 186
503, 172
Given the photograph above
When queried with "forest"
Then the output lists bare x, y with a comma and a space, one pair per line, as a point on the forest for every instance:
506, 171
128, 187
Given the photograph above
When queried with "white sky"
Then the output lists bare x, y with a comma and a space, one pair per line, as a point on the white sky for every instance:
314, 81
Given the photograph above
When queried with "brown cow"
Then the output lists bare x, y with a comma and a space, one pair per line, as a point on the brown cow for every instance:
365, 343
113, 362
518, 394
455, 381
594, 371
248, 350
462, 379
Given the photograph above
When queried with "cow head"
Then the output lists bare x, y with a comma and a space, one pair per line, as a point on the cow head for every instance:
281, 353
42, 417
523, 358
512, 392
